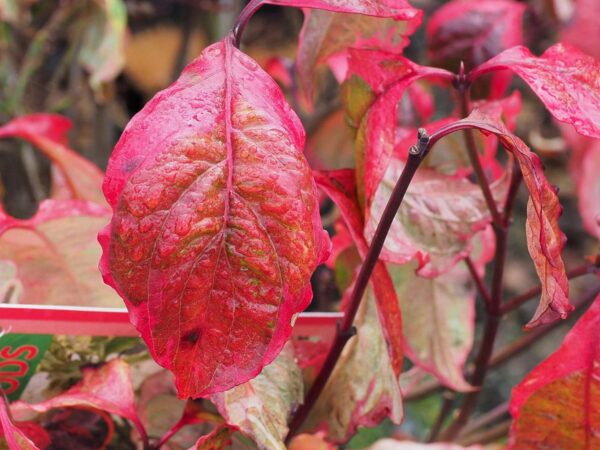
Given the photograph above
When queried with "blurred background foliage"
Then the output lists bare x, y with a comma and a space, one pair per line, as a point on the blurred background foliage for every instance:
98, 61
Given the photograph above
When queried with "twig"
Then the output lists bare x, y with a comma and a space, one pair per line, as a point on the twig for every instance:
485, 419
445, 410
532, 293
345, 329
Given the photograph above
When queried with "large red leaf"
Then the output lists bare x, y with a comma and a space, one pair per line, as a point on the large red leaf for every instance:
56, 256
564, 78
216, 228
545, 240
106, 388
556, 405
48, 133
436, 221
474, 31
262, 407
10, 434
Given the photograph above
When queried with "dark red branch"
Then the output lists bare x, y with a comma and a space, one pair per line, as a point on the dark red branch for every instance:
483, 292
243, 19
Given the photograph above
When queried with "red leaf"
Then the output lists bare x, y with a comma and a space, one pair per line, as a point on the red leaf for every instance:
474, 31
340, 186
56, 255
556, 405
48, 133
566, 80
11, 434
545, 240
389, 76
107, 388
216, 228
217, 439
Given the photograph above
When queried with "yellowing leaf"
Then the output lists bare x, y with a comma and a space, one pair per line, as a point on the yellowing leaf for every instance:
261, 408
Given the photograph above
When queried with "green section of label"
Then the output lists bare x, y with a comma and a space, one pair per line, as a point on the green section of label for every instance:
20, 355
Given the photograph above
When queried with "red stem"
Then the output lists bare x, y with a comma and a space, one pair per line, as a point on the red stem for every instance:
243, 19
345, 328
485, 294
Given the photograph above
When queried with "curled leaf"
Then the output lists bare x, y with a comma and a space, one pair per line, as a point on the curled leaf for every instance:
556, 405
216, 228
566, 80
545, 240
56, 255
261, 408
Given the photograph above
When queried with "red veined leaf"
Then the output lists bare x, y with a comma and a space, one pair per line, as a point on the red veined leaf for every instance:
310, 442
216, 228
556, 405
390, 444
545, 240
439, 321
583, 30
217, 439
364, 388
326, 36
56, 255
389, 76
436, 221
261, 408
340, 186
106, 388
48, 133
566, 80
10, 434
473, 31
102, 50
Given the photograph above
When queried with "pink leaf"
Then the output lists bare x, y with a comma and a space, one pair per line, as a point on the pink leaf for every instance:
56, 255
397, 9
474, 31
216, 228
545, 240
566, 80
556, 405
48, 133
107, 388
439, 321
11, 434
